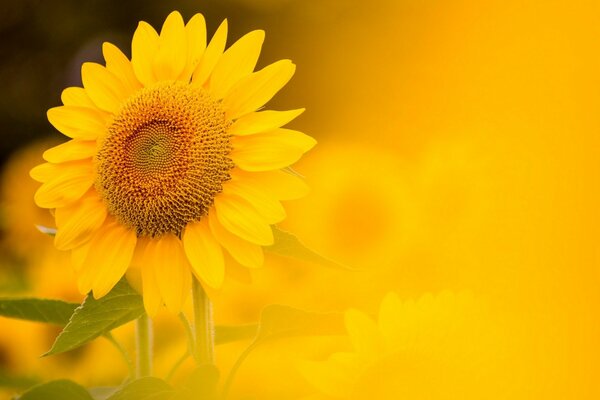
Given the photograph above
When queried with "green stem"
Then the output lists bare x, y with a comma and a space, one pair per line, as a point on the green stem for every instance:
234, 369
204, 330
176, 366
144, 346
123, 352
190, 336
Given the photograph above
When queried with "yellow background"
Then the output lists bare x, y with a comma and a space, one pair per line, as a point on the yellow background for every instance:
458, 149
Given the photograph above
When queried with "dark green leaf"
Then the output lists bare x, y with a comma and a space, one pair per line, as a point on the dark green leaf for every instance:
12, 381
226, 334
144, 389
97, 317
288, 245
102, 392
201, 384
57, 390
39, 310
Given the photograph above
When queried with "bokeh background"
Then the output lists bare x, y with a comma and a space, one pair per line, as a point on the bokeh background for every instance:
458, 150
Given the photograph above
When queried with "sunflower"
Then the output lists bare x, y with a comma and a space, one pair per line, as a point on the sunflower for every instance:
436, 347
169, 162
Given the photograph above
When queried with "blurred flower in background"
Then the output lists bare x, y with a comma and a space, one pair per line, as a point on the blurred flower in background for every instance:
438, 347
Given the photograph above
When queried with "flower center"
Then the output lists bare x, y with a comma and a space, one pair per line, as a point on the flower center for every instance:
164, 159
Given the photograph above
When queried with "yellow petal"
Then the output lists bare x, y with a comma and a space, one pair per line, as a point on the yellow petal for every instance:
72, 181
120, 66
150, 290
211, 56
195, 31
78, 256
255, 90
72, 150
248, 254
240, 218
103, 87
267, 206
204, 253
172, 270
237, 62
111, 250
46, 171
78, 222
279, 184
171, 57
262, 121
364, 334
76, 96
144, 46
78, 122
270, 150
133, 275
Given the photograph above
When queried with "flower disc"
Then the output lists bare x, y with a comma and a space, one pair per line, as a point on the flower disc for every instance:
164, 159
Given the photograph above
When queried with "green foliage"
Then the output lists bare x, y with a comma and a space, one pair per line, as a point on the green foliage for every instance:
279, 321
147, 388
59, 390
8, 380
96, 317
288, 245
227, 334
201, 384
38, 310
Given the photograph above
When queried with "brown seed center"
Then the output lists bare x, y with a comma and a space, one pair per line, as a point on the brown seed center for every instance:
164, 159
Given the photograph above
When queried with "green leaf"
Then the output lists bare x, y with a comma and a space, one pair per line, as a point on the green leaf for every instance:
278, 321
97, 317
12, 381
144, 389
288, 245
229, 333
38, 310
59, 390
201, 384
102, 392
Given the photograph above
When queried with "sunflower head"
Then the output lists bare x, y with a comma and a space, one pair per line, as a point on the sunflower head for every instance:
168, 161
165, 159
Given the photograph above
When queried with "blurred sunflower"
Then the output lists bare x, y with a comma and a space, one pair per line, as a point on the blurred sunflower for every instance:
169, 162
19, 212
438, 347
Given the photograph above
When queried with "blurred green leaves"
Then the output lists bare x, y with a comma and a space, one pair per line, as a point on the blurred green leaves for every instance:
280, 321
288, 245
96, 317
61, 389
38, 310
147, 388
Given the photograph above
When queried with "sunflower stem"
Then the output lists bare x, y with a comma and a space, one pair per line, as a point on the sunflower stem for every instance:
123, 353
144, 341
204, 330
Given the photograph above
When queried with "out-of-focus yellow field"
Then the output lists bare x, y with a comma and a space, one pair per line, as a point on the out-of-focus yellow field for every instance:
459, 151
